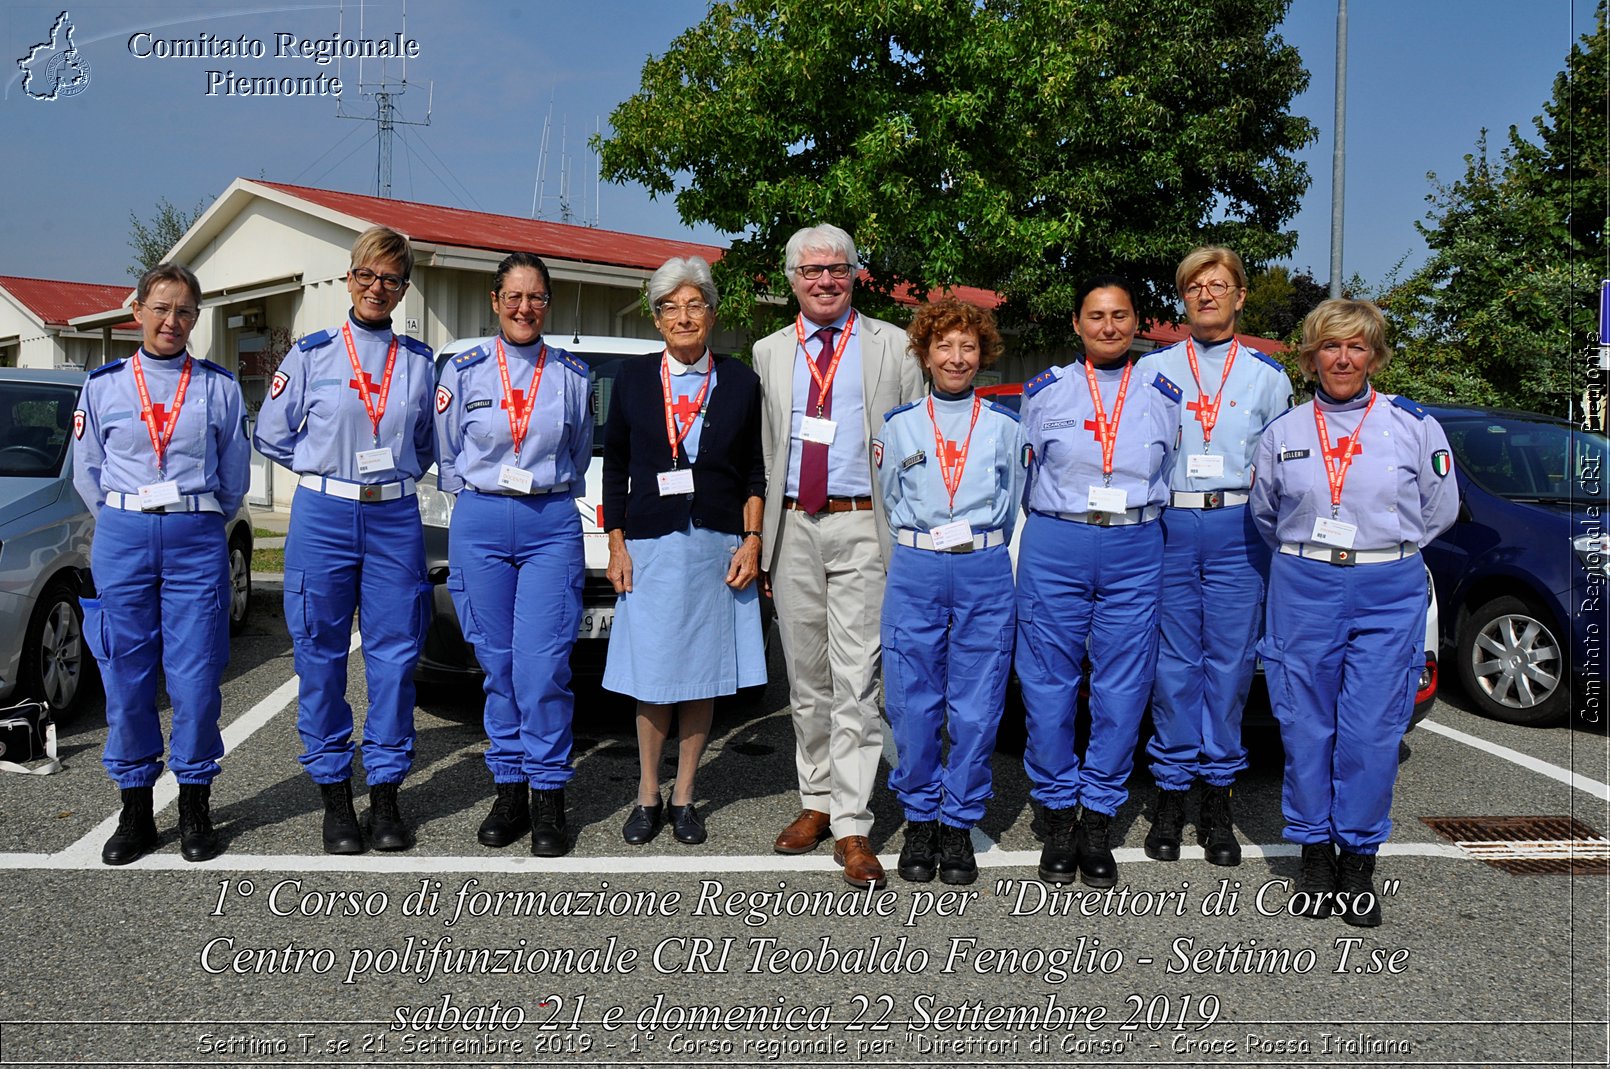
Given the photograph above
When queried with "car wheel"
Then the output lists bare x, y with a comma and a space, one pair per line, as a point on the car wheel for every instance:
240, 581
56, 665
1512, 665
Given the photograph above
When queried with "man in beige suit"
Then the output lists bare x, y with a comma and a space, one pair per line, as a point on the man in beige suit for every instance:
828, 378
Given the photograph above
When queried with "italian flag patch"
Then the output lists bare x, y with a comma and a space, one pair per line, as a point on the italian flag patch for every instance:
1441, 463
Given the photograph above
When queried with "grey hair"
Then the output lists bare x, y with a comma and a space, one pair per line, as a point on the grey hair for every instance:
823, 236
681, 271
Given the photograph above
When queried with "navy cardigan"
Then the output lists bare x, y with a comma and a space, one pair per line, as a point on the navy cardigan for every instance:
730, 469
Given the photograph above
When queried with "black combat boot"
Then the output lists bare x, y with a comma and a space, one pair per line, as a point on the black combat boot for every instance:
136, 833
956, 862
387, 829
1214, 830
341, 832
197, 839
1163, 841
548, 838
1356, 899
1059, 859
1097, 866
920, 854
1317, 880
509, 819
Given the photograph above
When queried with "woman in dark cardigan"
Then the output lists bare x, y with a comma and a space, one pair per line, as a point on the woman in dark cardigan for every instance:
684, 482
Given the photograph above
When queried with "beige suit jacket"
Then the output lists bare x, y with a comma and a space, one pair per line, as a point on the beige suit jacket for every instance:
890, 376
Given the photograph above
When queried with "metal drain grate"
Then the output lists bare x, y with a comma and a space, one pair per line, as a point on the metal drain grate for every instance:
1528, 845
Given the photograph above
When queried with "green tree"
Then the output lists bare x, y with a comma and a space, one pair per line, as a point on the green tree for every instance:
151, 241
1509, 293
1277, 301
1016, 145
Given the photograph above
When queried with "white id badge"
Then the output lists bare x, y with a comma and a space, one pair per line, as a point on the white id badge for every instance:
513, 478
1329, 532
818, 430
371, 461
951, 534
158, 495
1108, 499
676, 481
1204, 466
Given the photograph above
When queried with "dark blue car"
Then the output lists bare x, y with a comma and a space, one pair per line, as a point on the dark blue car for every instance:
1521, 576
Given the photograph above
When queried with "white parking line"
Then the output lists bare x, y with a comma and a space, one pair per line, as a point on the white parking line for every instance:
1599, 790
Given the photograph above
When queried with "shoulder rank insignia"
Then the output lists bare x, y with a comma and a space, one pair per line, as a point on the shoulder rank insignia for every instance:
1166, 387
1410, 407
414, 345
1266, 358
893, 412
225, 372
470, 356
104, 368
571, 361
1003, 410
314, 341
1040, 382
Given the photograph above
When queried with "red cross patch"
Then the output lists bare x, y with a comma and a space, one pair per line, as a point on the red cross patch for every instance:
444, 397
277, 387
877, 453
78, 423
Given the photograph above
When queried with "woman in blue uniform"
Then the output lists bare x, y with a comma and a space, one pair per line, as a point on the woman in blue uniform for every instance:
1101, 434
349, 410
1214, 563
514, 431
161, 459
1349, 488
950, 469
684, 485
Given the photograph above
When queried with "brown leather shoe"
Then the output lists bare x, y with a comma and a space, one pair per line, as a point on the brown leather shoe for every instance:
801, 837
861, 866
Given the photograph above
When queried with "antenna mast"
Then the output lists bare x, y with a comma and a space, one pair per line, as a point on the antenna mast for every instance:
385, 94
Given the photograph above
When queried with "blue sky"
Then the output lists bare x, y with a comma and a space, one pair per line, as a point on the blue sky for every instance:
1424, 77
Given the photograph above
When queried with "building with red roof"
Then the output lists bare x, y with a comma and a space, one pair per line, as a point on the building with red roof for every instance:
36, 317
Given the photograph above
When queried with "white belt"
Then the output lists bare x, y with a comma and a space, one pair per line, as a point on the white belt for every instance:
186, 503
1111, 519
924, 540
1210, 499
1315, 551
320, 484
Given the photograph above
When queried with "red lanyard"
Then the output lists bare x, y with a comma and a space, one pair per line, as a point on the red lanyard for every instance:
950, 466
1209, 411
824, 383
1336, 468
160, 440
672, 433
375, 413
518, 424
1108, 438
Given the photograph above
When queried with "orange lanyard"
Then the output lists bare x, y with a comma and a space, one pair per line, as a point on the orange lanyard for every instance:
950, 466
1107, 437
1208, 411
1336, 468
160, 440
824, 383
518, 424
673, 433
376, 413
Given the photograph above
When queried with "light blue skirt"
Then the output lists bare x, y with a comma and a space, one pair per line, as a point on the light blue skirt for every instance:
682, 633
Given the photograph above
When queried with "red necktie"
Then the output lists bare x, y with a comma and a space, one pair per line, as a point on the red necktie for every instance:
813, 455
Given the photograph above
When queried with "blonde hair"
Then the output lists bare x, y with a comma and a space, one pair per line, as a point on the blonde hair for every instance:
383, 243
1338, 319
1203, 257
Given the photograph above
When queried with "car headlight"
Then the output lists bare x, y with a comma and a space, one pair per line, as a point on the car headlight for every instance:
435, 506
1594, 552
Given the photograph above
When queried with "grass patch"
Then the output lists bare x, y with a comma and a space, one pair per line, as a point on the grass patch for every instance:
268, 560
264, 532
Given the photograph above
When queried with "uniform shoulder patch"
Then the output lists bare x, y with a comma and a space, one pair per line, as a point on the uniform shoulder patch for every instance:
571, 361
1266, 358
444, 399
104, 368
1166, 387
1441, 463
887, 416
471, 356
1003, 410
414, 345
1040, 382
1410, 407
225, 372
877, 452
315, 341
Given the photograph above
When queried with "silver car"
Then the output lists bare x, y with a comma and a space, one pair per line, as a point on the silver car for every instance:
45, 533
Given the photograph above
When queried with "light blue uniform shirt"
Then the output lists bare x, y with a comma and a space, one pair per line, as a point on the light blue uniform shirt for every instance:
847, 471
1399, 488
909, 477
314, 421
473, 437
1059, 420
1256, 392
209, 453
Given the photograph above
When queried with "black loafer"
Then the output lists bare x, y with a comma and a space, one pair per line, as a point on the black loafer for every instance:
643, 824
686, 824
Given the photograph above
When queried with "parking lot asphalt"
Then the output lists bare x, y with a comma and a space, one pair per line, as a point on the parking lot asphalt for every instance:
729, 954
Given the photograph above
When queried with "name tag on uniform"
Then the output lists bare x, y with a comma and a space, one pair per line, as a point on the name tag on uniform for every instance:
159, 495
513, 478
1204, 466
952, 534
676, 481
1329, 532
818, 430
374, 460
1108, 499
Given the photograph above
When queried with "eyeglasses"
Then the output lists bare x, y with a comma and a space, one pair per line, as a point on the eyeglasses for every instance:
693, 310
163, 311
511, 301
366, 278
812, 272
1217, 288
